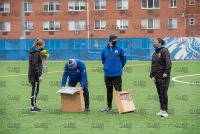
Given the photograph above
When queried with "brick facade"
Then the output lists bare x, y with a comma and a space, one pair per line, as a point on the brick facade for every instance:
183, 12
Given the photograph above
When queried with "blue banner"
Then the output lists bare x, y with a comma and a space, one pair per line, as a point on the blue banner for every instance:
181, 48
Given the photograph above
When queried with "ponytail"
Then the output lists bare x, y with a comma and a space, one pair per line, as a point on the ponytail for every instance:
161, 41
38, 42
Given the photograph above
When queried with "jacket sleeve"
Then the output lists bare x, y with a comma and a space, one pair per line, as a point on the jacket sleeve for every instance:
65, 75
167, 60
151, 71
83, 74
123, 58
35, 65
152, 66
102, 57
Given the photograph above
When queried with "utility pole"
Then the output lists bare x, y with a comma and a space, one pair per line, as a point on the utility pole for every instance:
23, 20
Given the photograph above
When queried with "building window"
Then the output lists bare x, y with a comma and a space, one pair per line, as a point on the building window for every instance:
192, 2
76, 5
150, 23
100, 4
76, 25
28, 7
122, 4
122, 24
51, 25
29, 26
172, 3
100, 25
150, 4
4, 7
51, 6
192, 21
4, 26
172, 23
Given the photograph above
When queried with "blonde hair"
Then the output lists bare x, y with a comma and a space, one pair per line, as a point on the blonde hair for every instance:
39, 42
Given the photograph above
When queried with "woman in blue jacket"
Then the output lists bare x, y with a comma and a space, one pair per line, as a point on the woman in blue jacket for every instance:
114, 59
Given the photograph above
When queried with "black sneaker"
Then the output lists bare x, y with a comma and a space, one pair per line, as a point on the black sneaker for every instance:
38, 109
107, 109
87, 109
35, 109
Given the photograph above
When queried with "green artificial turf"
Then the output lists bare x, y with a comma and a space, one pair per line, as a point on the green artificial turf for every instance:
184, 102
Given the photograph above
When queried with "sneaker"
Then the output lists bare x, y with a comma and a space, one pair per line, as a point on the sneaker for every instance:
159, 113
38, 109
35, 109
87, 109
107, 109
164, 114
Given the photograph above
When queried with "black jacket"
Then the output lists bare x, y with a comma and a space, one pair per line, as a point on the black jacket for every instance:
35, 65
161, 63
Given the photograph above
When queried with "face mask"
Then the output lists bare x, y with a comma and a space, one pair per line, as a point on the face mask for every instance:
114, 43
41, 49
155, 45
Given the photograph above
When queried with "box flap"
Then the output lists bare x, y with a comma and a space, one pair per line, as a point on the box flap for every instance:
68, 90
124, 92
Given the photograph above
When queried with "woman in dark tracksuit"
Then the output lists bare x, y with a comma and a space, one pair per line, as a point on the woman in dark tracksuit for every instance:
160, 74
35, 72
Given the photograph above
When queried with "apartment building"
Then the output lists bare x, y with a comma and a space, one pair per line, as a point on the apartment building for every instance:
98, 18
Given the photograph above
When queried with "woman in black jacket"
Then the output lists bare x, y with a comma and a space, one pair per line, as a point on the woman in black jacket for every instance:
35, 71
160, 74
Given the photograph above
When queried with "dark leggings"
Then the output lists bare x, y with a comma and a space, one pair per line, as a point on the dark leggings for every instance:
34, 93
110, 82
162, 85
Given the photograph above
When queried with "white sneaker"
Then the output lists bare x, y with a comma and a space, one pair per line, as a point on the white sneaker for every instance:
164, 114
159, 113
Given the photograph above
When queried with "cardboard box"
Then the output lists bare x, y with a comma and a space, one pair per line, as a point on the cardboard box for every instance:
124, 101
73, 103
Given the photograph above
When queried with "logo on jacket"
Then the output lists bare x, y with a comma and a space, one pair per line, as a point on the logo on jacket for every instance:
116, 51
159, 55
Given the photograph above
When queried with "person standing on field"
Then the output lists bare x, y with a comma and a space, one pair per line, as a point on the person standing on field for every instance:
114, 59
35, 72
160, 74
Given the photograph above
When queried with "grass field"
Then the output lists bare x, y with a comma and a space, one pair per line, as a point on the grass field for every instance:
184, 102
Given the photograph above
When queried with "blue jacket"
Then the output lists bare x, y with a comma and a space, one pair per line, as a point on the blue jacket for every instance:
78, 74
113, 60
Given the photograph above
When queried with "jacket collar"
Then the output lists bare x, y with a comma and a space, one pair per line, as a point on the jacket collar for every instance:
112, 47
159, 48
36, 49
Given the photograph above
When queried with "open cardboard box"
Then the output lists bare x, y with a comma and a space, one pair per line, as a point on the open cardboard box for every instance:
124, 101
72, 103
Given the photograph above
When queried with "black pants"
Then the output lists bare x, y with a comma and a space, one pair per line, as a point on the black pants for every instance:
85, 92
34, 93
110, 82
162, 85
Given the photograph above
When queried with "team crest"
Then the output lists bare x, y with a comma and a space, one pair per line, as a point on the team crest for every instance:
116, 51
159, 55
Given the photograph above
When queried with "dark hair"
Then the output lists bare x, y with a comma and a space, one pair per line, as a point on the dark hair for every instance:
38, 42
161, 41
